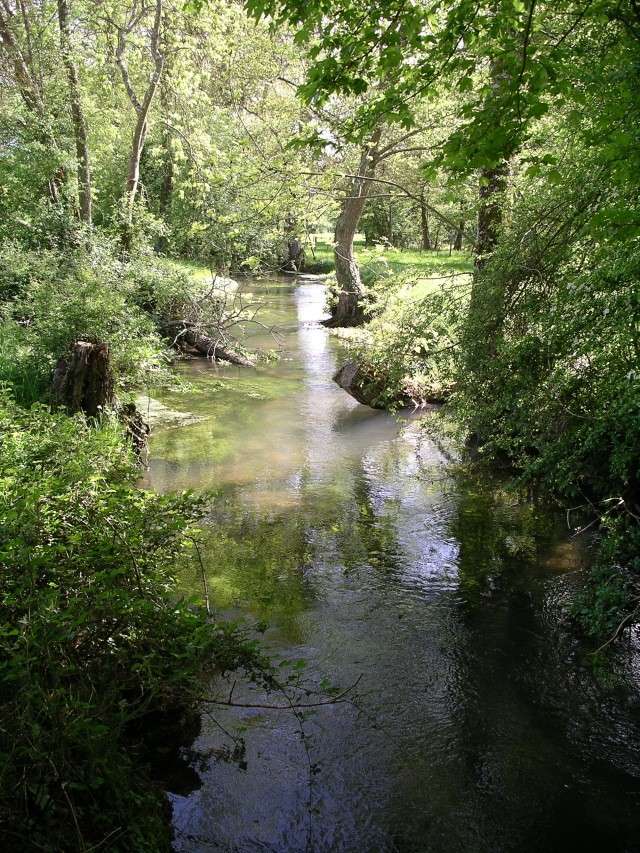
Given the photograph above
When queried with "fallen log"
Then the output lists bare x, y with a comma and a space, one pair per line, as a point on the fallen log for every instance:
205, 345
353, 378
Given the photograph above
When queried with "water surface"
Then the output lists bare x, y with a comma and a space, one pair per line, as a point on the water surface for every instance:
476, 725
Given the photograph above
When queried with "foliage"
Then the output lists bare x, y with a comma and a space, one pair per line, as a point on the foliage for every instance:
545, 366
407, 347
82, 293
93, 642
401, 55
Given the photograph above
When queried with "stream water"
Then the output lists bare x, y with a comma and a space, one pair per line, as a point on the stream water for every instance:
476, 724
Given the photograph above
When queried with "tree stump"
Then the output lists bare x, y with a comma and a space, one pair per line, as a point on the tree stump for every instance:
295, 256
136, 428
83, 380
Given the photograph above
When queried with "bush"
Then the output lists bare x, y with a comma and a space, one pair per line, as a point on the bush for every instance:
557, 388
93, 643
406, 349
49, 300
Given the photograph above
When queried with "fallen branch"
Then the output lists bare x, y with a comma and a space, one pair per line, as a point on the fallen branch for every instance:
291, 706
616, 633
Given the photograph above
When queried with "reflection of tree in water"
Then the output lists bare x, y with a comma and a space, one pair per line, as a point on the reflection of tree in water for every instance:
519, 774
366, 536
257, 561
261, 560
501, 535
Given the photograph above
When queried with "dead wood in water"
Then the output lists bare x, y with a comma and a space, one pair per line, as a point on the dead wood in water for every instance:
214, 348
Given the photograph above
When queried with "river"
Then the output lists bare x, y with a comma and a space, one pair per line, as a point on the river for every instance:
477, 723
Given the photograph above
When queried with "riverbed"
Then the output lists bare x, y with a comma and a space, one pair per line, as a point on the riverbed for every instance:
368, 555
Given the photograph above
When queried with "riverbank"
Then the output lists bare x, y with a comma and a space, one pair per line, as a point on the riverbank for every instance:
99, 652
526, 407
99, 649
376, 259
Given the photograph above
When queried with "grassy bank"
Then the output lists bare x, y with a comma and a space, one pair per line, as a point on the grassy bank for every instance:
549, 388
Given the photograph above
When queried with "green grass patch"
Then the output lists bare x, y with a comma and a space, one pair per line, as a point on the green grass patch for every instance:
392, 260
196, 270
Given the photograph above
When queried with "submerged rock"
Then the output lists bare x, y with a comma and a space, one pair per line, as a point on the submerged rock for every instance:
157, 414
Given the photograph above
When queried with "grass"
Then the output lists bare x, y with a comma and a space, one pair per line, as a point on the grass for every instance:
395, 260
197, 270
374, 258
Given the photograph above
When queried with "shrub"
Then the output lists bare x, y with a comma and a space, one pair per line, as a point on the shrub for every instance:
407, 347
50, 300
93, 643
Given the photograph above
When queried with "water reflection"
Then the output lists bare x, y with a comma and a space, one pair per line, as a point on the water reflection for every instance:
477, 728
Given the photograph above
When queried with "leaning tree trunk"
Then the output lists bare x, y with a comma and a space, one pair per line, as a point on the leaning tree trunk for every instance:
348, 311
77, 115
31, 93
83, 380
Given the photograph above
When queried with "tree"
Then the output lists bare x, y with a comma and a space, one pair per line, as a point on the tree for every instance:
15, 44
77, 114
348, 311
141, 106
509, 61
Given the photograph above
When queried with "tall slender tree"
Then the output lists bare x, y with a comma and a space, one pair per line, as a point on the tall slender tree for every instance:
140, 105
77, 114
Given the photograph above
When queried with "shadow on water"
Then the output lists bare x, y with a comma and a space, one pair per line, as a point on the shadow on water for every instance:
477, 725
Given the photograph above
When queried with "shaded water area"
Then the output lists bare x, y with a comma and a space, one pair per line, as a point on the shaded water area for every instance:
477, 724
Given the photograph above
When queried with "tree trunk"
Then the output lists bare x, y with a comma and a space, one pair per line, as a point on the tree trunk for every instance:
166, 191
27, 84
424, 224
492, 185
31, 93
165, 198
348, 311
295, 256
142, 114
457, 243
486, 306
77, 115
136, 429
83, 381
